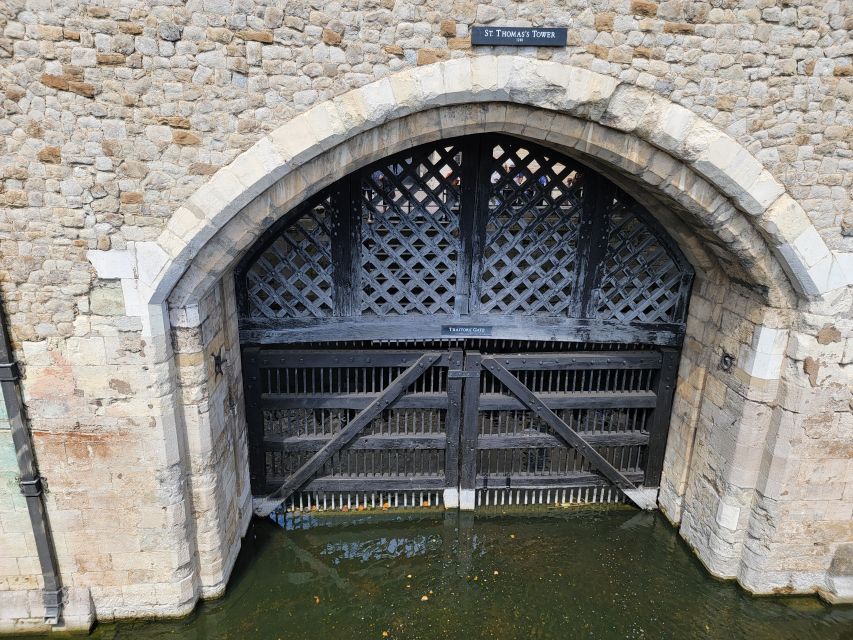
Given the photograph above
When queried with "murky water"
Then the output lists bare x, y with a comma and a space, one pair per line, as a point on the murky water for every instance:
602, 573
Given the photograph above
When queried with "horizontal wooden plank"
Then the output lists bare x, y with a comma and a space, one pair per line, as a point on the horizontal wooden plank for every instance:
573, 400
550, 481
342, 358
350, 401
488, 401
580, 361
384, 441
439, 441
360, 484
539, 440
419, 327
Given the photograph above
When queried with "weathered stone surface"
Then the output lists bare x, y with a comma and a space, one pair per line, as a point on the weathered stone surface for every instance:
255, 36
331, 37
107, 299
50, 155
175, 93
184, 137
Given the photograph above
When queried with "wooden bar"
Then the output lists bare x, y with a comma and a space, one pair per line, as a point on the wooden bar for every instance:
572, 400
580, 479
306, 359
470, 423
544, 440
351, 401
453, 420
580, 360
488, 401
430, 327
346, 247
659, 420
361, 443
254, 418
357, 484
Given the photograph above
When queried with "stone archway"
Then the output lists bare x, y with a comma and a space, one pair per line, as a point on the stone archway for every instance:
558, 89
733, 219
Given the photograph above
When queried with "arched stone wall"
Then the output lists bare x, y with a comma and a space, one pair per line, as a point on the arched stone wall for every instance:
685, 137
761, 261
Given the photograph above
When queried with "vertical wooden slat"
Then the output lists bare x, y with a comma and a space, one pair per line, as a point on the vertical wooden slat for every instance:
658, 421
592, 243
453, 420
470, 423
467, 208
346, 246
254, 419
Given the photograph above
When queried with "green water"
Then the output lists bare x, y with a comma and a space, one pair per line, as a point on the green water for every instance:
605, 573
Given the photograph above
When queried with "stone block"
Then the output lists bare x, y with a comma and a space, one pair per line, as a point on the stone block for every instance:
626, 107
669, 126
86, 351
785, 220
294, 143
107, 299
484, 76
430, 81
727, 164
112, 264
458, 80
328, 127
763, 357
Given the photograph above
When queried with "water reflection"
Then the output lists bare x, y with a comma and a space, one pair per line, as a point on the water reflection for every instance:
599, 573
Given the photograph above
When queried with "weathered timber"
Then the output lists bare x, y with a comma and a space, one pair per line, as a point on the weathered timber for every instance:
364, 418
567, 433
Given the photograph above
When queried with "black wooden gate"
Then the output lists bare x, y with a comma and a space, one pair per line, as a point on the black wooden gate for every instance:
477, 318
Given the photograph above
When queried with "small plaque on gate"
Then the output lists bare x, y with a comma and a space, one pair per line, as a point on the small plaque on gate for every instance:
465, 331
519, 36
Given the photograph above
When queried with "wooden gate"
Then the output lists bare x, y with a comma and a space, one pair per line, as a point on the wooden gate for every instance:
352, 429
482, 256
360, 429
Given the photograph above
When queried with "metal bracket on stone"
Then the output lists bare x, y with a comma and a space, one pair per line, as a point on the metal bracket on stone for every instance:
52, 605
9, 372
32, 488
218, 361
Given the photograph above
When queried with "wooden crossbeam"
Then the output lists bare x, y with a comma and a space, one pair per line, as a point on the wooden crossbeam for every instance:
532, 402
265, 506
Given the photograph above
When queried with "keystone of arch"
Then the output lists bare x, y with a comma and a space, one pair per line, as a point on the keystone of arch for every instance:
811, 267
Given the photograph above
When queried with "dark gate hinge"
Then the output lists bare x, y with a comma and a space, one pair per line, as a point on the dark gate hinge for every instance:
9, 371
454, 374
31, 488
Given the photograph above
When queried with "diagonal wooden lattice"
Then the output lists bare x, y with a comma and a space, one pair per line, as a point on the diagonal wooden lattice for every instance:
640, 281
410, 233
292, 278
531, 233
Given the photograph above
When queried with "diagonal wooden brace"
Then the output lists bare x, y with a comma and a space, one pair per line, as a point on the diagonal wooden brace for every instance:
572, 438
266, 505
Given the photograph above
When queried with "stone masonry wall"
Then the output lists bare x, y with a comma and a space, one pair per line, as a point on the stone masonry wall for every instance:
113, 114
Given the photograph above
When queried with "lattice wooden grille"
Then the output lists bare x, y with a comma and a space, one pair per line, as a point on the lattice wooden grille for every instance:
410, 233
531, 233
292, 278
640, 280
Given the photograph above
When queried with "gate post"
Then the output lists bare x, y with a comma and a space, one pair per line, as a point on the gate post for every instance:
659, 419
455, 380
470, 427
254, 419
